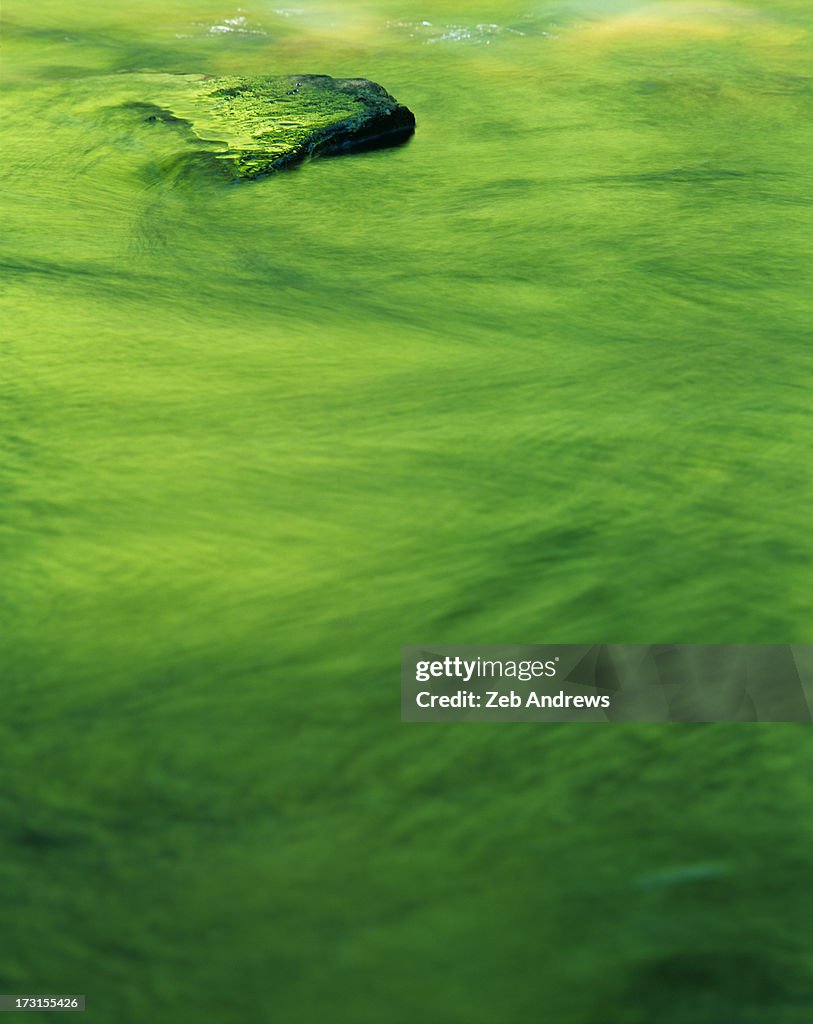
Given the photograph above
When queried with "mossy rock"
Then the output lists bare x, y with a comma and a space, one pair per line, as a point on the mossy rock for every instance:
256, 126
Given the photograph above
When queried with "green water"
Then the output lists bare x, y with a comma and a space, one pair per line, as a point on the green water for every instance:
543, 374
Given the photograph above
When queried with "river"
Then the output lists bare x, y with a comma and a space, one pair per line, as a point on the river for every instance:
543, 374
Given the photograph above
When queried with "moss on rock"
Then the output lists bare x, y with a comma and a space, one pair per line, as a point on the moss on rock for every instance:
255, 126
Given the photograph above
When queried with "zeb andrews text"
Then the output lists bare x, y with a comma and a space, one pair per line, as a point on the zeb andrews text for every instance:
498, 701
